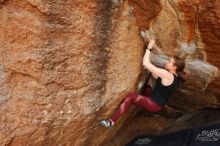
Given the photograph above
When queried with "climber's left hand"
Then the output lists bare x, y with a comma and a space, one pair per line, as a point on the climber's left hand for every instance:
151, 43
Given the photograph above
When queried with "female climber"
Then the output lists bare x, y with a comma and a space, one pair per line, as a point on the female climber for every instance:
167, 81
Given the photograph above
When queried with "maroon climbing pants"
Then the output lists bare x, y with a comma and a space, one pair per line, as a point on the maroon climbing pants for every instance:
143, 101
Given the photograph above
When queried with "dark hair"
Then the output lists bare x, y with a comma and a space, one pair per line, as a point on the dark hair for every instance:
180, 64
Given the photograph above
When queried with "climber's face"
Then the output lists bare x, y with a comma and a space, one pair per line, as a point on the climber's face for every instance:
170, 64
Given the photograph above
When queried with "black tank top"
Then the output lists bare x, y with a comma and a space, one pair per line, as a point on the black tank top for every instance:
161, 93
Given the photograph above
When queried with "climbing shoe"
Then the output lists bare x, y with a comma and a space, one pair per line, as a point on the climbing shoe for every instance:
106, 123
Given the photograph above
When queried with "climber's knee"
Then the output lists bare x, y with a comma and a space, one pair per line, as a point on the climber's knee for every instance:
127, 98
132, 96
138, 98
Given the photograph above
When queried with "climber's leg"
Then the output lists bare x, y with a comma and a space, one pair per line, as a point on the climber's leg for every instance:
139, 100
123, 107
120, 110
147, 103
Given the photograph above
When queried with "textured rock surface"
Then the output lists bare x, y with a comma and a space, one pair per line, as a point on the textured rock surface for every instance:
65, 64
146, 125
61, 61
190, 29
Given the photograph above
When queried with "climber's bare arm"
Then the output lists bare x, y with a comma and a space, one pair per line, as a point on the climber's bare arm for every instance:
155, 76
157, 72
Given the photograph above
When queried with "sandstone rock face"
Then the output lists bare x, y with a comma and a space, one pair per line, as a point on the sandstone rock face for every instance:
65, 64
183, 29
61, 61
189, 29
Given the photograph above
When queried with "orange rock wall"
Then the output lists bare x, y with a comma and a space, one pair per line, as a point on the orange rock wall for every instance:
66, 64
61, 62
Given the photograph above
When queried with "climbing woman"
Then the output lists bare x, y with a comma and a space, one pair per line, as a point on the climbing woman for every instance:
167, 81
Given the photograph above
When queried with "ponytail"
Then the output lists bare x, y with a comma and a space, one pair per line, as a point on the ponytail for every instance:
182, 76
180, 64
